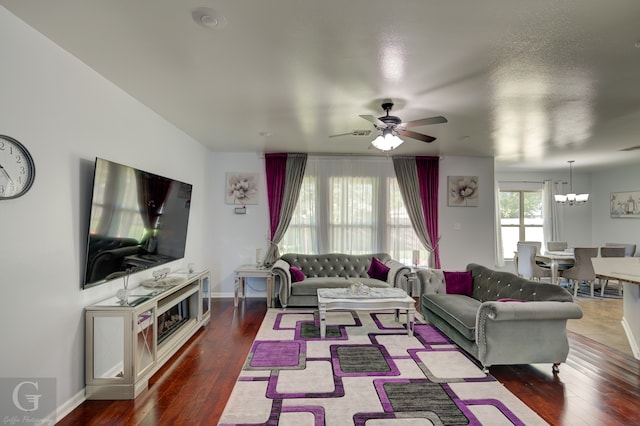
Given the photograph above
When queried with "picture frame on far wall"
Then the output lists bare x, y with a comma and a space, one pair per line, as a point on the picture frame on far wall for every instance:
241, 188
625, 204
462, 191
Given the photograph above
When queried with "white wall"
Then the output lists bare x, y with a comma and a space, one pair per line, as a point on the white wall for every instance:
604, 227
66, 115
236, 236
467, 234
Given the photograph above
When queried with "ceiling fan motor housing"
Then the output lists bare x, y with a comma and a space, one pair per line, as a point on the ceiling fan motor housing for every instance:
389, 120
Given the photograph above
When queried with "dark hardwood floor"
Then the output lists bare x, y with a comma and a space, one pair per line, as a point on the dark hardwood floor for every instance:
597, 385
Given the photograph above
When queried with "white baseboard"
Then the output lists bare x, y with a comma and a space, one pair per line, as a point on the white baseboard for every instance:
70, 405
221, 295
632, 341
226, 295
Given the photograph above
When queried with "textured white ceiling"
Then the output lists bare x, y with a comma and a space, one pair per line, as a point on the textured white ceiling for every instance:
532, 83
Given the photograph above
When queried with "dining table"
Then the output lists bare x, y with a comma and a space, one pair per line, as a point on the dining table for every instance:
556, 259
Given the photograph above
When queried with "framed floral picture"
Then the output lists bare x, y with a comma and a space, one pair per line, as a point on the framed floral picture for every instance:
242, 188
625, 204
462, 191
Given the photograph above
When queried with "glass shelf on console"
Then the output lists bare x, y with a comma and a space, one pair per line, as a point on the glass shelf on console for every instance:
136, 297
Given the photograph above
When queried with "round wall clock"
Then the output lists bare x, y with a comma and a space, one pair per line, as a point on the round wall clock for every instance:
17, 169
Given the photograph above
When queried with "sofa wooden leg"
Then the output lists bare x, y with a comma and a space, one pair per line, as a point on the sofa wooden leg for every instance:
556, 367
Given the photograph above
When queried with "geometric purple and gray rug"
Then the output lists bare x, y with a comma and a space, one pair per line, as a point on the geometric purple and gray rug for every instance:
367, 372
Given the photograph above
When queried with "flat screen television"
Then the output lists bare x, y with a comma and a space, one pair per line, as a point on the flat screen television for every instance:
138, 220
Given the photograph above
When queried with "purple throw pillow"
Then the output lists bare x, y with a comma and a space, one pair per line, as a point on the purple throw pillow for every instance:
378, 270
458, 282
296, 274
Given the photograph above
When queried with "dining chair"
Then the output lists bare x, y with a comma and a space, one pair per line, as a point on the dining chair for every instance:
610, 251
527, 266
538, 245
557, 245
629, 249
582, 269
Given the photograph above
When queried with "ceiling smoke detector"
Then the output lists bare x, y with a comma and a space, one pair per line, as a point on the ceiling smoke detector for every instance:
208, 18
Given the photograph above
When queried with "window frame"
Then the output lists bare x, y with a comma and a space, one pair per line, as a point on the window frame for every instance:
521, 225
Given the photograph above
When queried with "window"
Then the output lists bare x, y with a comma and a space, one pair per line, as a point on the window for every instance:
520, 219
351, 206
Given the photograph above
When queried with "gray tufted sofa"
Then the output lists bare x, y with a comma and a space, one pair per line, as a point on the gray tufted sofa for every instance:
330, 271
496, 332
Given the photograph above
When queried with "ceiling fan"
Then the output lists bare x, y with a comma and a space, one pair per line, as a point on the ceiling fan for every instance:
391, 127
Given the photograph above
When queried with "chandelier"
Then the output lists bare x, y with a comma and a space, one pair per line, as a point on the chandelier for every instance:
571, 198
387, 141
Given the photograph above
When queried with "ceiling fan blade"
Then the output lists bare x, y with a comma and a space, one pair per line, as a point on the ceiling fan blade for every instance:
418, 136
353, 133
425, 121
377, 122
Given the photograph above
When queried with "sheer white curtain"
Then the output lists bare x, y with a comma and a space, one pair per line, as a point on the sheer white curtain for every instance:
499, 252
552, 225
350, 205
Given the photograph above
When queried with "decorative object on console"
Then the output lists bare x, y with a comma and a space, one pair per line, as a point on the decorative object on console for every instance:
625, 204
123, 293
463, 191
17, 169
242, 188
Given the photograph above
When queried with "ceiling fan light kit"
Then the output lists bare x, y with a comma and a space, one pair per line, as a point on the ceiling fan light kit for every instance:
387, 141
571, 198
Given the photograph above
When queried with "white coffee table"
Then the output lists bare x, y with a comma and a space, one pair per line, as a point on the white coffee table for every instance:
330, 299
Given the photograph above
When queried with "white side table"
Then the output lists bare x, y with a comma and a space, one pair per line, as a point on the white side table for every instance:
413, 283
253, 271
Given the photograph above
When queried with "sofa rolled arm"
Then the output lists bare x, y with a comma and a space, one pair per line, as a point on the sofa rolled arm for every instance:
281, 270
525, 311
523, 333
397, 272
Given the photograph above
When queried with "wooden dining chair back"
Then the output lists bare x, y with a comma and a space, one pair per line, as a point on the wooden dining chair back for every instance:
582, 269
611, 251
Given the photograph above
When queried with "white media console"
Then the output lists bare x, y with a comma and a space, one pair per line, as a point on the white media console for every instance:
127, 342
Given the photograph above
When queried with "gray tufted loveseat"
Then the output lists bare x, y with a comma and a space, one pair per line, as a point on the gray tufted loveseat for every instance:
330, 271
495, 331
